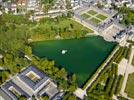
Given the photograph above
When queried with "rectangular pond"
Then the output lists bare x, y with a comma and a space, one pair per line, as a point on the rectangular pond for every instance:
80, 56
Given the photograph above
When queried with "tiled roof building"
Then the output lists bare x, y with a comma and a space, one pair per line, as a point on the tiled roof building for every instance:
30, 82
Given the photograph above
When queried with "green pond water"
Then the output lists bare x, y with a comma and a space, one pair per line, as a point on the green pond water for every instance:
83, 56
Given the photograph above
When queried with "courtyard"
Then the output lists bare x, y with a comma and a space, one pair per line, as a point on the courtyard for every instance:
97, 19
110, 32
93, 16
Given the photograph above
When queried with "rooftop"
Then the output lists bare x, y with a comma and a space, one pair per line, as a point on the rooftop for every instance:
13, 90
30, 82
4, 96
33, 77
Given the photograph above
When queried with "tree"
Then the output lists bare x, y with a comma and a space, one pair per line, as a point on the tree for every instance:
3, 76
45, 98
74, 78
1, 7
72, 97
63, 84
70, 13
46, 8
71, 88
99, 5
68, 5
28, 50
22, 98
62, 74
128, 15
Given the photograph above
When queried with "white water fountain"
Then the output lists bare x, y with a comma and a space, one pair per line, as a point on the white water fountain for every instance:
64, 52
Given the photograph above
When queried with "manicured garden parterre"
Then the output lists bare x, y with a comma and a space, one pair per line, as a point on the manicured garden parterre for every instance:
102, 17
92, 12
85, 16
93, 16
95, 21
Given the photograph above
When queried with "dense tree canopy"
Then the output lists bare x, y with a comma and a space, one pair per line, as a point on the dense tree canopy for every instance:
13, 32
128, 15
48, 1
47, 4
16, 36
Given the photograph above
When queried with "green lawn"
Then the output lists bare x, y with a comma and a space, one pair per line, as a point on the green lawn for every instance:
92, 12
85, 16
130, 86
102, 17
95, 21
49, 28
132, 61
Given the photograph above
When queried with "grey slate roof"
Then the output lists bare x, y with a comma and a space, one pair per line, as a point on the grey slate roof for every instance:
6, 87
4, 96
58, 96
50, 90
33, 85
23, 84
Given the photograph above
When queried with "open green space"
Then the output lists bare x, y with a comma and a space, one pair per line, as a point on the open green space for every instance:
95, 21
85, 16
92, 12
130, 86
102, 17
65, 28
83, 56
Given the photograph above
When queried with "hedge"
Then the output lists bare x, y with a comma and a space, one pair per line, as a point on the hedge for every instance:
114, 86
119, 84
102, 65
109, 84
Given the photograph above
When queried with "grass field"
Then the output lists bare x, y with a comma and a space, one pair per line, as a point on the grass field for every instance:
102, 17
92, 12
85, 16
49, 28
95, 21
130, 86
